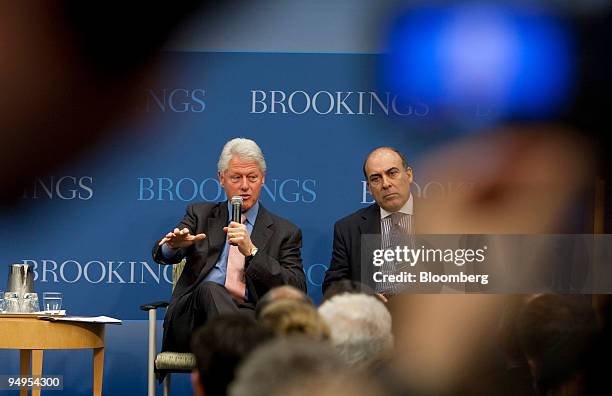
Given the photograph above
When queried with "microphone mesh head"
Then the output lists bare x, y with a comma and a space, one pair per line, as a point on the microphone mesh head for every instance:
236, 200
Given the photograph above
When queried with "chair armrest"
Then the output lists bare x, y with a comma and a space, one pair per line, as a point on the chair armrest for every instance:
154, 305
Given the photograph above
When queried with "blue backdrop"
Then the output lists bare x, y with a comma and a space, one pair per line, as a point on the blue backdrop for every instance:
88, 229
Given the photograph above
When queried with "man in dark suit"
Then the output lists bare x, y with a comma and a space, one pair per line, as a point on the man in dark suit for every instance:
228, 266
388, 177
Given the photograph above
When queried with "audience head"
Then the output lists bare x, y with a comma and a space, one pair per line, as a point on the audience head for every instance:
297, 366
347, 286
290, 317
360, 327
219, 346
507, 331
285, 292
557, 333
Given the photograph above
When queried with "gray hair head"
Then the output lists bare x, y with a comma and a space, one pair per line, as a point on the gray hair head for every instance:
284, 292
284, 365
246, 149
360, 327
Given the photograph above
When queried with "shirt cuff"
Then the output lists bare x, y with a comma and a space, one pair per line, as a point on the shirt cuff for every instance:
167, 251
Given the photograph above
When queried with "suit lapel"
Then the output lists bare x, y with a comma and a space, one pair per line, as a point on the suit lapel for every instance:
216, 237
370, 225
370, 221
261, 229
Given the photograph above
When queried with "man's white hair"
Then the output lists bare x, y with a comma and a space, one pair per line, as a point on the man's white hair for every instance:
246, 149
360, 327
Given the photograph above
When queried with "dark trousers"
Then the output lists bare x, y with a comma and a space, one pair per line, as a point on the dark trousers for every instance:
192, 310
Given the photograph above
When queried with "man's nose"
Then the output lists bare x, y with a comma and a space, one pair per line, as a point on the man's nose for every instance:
244, 183
386, 182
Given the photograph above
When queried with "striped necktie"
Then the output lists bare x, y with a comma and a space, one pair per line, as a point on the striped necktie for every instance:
396, 230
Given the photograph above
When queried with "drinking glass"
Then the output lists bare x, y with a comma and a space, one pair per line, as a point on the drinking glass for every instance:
30, 303
2, 302
52, 302
11, 301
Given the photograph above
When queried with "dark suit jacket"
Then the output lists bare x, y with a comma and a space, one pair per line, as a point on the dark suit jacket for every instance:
348, 249
278, 260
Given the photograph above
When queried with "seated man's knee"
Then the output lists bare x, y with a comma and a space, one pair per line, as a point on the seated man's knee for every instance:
207, 289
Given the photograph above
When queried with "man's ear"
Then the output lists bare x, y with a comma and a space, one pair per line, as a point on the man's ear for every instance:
220, 176
409, 173
196, 384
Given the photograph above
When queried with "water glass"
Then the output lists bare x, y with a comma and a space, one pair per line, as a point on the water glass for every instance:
2, 302
52, 302
11, 301
30, 303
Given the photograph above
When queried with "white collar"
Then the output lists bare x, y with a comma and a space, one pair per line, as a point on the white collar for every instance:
408, 208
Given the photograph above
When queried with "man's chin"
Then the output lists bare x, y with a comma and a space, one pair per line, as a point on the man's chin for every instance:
391, 206
246, 205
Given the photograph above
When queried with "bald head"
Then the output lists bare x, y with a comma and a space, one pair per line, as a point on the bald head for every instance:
389, 177
381, 150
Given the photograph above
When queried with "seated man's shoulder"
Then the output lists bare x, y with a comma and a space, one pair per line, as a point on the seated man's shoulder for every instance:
283, 223
357, 216
202, 207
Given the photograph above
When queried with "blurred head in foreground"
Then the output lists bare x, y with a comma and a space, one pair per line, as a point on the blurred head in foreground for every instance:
347, 286
360, 328
219, 347
297, 367
557, 334
291, 317
285, 292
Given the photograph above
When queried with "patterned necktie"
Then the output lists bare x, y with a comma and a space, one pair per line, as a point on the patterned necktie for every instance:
234, 279
397, 231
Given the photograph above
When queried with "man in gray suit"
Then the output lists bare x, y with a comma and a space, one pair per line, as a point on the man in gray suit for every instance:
229, 265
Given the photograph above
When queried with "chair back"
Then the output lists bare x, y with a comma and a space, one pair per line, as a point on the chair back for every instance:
177, 270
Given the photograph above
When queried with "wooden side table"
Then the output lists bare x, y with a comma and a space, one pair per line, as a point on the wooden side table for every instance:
32, 336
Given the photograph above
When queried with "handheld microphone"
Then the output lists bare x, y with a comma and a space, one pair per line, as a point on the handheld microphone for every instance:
236, 208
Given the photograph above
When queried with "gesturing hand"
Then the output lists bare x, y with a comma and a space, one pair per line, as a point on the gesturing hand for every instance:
181, 238
238, 235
